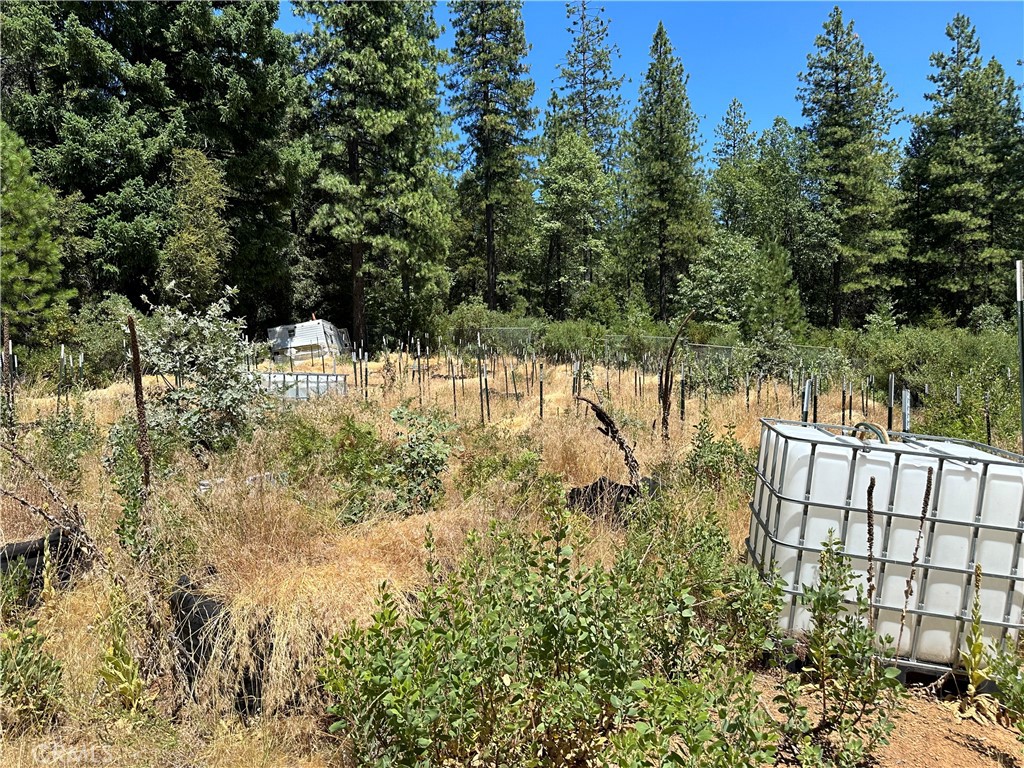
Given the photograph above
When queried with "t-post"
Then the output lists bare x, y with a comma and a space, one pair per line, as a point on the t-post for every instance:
1020, 341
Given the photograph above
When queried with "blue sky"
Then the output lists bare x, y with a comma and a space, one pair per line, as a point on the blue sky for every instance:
753, 51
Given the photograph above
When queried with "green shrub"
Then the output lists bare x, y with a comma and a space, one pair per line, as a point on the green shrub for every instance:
214, 400
123, 464
14, 590
368, 473
514, 656
713, 721
571, 339
854, 695
66, 437
496, 453
422, 457
526, 656
30, 679
1007, 671
712, 462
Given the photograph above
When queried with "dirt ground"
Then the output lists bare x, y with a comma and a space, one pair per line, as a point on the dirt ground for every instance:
928, 734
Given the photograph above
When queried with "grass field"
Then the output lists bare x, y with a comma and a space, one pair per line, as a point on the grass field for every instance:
275, 536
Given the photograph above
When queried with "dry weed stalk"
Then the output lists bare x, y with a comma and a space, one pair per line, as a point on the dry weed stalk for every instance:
871, 553
143, 444
909, 589
610, 429
665, 380
6, 360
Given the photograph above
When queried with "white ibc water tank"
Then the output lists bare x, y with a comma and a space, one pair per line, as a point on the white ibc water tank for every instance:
812, 480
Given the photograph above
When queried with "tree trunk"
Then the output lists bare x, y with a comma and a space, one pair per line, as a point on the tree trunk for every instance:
662, 277
358, 253
492, 257
837, 291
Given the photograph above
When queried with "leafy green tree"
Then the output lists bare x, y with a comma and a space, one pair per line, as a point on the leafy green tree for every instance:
963, 182
30, 265
849, 111
381, 199
103, 92
668, 215
588, 101
491, 100
193, 258
575, 197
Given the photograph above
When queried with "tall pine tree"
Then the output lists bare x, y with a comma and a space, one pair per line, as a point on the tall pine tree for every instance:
491, 100
963, 182
588, 101
734, 155
849, 111
575, 198
380, 198
668, 216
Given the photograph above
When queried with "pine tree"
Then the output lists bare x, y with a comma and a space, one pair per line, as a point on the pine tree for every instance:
849, 112
103, 93
575, 198
668, 216
491, 100
771, 299
193, 258
963, 182
30, 267
588, 100
381, 198
734, 157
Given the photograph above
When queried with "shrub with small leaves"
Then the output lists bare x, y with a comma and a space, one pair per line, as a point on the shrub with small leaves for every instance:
30, 679
854, 693
213, 398
14, 590
1008, 673
422, 458
65, 438
713, 461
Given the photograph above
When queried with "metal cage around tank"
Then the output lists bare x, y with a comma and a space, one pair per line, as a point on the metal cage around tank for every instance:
812, 478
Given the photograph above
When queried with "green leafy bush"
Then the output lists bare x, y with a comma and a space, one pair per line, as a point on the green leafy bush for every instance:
213, 399
370, 474
30, 679
66, 437
1007, 671
526, 656
712, 461
122, 462
854, 694
14, 590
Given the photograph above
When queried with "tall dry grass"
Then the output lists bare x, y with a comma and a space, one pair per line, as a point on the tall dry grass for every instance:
291, 575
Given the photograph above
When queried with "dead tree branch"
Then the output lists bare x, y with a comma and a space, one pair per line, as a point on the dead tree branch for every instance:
611, 430
665, 390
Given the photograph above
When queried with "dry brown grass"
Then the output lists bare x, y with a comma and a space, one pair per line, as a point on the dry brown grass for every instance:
286, 567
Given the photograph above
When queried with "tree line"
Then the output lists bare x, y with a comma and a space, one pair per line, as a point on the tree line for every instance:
359, 172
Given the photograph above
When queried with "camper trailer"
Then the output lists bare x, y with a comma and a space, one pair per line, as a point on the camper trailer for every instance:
307, 341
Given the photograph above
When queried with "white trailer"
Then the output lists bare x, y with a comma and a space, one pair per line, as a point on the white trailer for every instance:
307, 341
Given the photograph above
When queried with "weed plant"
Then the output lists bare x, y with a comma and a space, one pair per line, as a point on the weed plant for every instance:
843, 705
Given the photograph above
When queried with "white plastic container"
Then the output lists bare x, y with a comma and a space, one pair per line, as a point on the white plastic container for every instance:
812, 480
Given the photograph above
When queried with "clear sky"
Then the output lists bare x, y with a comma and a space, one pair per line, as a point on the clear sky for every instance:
753, 51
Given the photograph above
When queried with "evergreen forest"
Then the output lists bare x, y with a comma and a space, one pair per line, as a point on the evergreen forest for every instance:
163, 152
